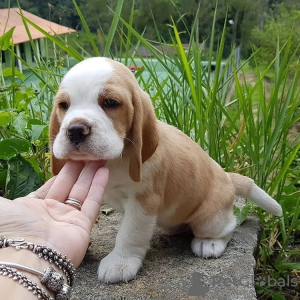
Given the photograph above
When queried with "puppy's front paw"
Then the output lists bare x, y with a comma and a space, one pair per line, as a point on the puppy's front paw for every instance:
208, 247
115, 268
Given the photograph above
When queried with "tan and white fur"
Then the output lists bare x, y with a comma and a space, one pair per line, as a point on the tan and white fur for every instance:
158, 175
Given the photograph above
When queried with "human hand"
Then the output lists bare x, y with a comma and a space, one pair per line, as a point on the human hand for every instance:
48, 220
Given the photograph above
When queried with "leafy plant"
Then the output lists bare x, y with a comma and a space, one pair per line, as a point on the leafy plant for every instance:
278, 26
24, 114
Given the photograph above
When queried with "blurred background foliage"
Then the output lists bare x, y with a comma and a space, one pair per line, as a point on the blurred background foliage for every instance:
252, 24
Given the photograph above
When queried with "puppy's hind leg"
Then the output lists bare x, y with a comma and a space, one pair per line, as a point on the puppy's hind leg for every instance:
212, 235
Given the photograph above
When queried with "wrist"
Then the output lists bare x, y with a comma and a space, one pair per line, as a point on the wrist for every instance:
45, 253
35, 261
13, 289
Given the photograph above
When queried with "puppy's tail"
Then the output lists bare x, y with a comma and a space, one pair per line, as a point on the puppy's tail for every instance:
245, 187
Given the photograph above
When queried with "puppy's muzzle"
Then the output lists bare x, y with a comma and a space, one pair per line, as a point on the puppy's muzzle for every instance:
77, 133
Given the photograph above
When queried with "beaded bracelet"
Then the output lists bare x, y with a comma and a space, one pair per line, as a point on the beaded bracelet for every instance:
23, 280
52, 256
52, 279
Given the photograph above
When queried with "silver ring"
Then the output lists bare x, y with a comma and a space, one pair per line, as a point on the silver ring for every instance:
74, 202
32, 195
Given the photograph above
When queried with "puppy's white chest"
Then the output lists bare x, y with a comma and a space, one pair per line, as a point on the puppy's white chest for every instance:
120, 187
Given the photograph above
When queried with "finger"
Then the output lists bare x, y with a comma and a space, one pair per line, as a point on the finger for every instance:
65, 180
93, 201
41, 192
81, 188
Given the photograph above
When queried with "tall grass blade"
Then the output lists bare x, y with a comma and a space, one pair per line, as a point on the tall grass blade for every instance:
86, 29
113, 28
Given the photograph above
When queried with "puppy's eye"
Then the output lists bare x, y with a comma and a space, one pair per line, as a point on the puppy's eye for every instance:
63, 105
110, 103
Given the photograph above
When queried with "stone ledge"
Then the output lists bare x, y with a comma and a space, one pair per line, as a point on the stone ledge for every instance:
170, 270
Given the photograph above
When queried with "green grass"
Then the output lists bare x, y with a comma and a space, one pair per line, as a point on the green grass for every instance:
247, 130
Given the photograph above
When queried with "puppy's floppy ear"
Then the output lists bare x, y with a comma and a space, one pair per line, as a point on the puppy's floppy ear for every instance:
56, 164
144, 133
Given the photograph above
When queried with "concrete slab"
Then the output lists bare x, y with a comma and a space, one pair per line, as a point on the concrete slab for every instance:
170, 270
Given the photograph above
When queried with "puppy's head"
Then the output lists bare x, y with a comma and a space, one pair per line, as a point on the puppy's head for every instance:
100, 112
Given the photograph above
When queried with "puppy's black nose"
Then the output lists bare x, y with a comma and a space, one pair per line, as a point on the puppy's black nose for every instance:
77, 133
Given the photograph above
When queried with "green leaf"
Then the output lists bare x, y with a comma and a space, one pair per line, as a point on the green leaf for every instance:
22, 179
86, 29
13, 146
278, 297
35, 164
289, 159
3, 175
289, 202
242, 214
113, 28
5, 118
61, 44
19, 96
186, 65
20, 122
5, 39
37, 130
288, 266
9, 72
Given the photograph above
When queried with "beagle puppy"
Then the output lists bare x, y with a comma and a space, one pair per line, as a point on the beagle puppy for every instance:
158, 175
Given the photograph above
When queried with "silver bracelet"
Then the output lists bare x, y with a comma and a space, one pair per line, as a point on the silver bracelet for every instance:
52, 279
23, 280
52, 256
